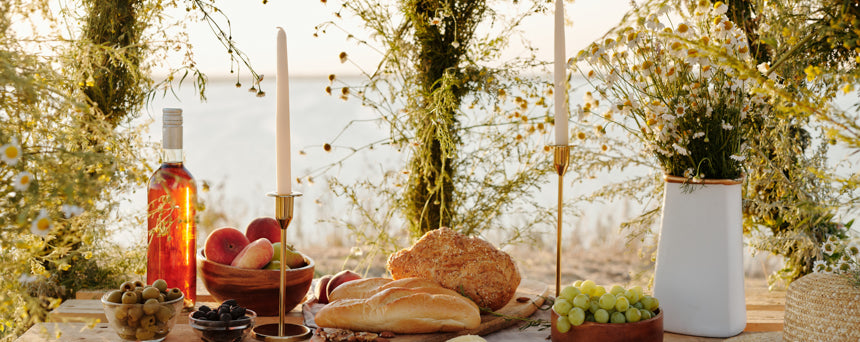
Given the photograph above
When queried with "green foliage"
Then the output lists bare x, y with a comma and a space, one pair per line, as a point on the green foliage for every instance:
472, 127
70, 149
795, 199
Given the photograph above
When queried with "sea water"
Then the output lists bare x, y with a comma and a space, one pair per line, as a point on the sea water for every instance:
230, 144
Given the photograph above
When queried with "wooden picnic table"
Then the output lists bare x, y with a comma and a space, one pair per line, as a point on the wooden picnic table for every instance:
75, 319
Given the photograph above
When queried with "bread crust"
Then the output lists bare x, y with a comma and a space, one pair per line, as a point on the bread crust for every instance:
402, 310
357, 289
471, 266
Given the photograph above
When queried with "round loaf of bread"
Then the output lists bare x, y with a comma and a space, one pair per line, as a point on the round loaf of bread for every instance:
473, 267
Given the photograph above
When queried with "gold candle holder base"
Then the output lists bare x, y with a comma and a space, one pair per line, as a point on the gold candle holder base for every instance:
561, 161
265, 332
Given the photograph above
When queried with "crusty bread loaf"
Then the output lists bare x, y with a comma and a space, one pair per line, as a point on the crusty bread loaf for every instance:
367, 287
403, 311
470, 266
361, 288
410, 283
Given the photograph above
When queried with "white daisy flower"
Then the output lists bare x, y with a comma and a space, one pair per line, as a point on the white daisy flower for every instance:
22, 181
828, 247
588, 98
27, 279
737, 158
845, 258
698, 135
852, 250
11, 152
819, 266
726, 126
688, 173
71, 210
833, 239
42, 224
682, 151
435, 21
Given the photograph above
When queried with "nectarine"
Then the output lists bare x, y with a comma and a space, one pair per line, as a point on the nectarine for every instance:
264, 227
340, 278
255, 255
224, 244
320, 290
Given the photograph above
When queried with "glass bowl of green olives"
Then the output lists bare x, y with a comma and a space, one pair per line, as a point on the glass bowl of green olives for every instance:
140, 312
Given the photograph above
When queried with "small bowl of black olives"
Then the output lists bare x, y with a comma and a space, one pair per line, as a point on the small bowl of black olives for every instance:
140, 312
229, 322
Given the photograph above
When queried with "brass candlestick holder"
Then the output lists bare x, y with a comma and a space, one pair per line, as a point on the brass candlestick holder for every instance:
285, 332
561, 160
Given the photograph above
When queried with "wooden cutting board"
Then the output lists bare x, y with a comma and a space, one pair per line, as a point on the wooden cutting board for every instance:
535, 291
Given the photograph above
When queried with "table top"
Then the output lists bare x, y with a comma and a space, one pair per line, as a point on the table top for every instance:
75, 320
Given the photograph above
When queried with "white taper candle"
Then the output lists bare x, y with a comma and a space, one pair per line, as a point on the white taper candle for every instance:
282, 122
560, 74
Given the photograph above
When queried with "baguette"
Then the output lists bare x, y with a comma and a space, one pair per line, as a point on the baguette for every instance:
401, 311
361, 288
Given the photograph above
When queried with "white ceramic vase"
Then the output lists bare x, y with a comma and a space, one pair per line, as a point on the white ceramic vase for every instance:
699, 278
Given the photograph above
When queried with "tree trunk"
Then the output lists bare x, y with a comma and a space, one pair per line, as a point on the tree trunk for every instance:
442, 45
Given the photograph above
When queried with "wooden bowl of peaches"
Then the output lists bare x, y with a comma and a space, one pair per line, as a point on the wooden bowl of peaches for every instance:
246, 267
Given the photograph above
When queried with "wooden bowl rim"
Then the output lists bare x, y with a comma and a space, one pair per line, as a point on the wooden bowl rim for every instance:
659, 312
310, 263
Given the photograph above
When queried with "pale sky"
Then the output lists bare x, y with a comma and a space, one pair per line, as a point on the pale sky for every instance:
254, 27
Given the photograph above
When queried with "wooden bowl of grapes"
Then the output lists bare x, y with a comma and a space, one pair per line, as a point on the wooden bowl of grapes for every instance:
591, 313
255, 289
650, 330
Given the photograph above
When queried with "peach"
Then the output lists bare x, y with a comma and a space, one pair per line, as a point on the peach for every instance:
264, 227
291, 258
320, 290
224, 244
340, 278
255, 255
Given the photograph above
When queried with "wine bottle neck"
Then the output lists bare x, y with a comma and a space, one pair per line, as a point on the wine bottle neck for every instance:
172, 155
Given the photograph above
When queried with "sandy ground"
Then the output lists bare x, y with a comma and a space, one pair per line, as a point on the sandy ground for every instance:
608, 262
533, 263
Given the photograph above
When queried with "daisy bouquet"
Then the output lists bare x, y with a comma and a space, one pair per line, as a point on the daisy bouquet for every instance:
839, 257
666, 77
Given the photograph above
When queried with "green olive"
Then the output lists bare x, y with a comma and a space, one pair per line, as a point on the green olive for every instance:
135, 313
127, 286
151, 306
150, 293
129, 297
173, 294
120, 314
115, 296
127, 333
144, 334
138, 283
160, 298
161, 328
147, 322
160, 284
164, 313
133, 323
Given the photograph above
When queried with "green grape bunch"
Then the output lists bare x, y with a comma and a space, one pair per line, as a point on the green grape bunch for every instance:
585, 301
